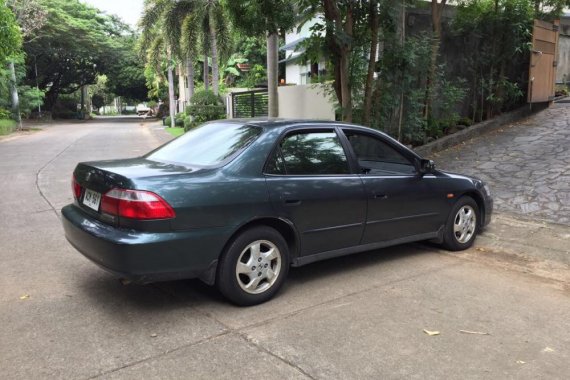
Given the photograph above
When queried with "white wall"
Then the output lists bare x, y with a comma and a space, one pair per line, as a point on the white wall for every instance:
305, 102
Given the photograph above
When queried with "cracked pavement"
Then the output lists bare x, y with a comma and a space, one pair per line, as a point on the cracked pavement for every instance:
358, 317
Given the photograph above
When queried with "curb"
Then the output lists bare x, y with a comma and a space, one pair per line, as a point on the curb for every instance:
478, 129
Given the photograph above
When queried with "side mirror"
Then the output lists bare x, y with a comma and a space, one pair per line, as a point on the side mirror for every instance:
426, 166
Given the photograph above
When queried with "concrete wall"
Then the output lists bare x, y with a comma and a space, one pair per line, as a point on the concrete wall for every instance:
305, 102
563, 66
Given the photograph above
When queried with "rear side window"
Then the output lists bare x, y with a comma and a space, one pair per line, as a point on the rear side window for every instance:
208, 145
309, 153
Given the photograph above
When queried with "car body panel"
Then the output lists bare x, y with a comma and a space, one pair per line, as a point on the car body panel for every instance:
328, 211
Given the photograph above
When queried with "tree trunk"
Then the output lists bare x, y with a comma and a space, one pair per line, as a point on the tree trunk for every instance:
206, 73
14, 92
171, 101
345, 87
340, 49
272, 80
374, 27
436, 12
402, 42
190, 78
215, 68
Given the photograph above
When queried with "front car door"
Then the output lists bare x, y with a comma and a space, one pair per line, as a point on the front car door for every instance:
311, 183
401, 203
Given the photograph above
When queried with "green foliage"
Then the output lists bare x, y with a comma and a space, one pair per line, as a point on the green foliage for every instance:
7, 126
205, 106
76, 43
30, 99
497, 38
4, 113
10, 36
259, 17
178, 120
255, 76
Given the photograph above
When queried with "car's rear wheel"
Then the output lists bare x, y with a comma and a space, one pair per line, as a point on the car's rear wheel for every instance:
462, 225
254, 266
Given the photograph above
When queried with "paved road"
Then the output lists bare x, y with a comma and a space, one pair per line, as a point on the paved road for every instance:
355, 317
527, 164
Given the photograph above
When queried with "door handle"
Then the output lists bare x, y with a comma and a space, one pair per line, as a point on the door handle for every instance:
380, 196
292, 202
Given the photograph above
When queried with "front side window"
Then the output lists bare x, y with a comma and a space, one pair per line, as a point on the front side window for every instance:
309, 153
378, 157
208, 145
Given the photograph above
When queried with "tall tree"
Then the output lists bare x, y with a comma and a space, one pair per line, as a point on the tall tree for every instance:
374, 28
265, 17
210, 23
66, 64
10, 45
436, 13
158, 46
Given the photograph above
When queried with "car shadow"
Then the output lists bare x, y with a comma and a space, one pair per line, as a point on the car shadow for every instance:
104, 288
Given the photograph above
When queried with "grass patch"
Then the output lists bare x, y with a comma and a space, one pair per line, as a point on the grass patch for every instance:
7, 126
176, 131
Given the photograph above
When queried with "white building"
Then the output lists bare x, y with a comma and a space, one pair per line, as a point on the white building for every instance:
298, 71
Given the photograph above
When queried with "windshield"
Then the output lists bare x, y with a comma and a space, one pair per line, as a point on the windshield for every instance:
207, 145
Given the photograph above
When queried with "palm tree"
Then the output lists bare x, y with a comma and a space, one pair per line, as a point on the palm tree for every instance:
208, 23
267, 18
157, 46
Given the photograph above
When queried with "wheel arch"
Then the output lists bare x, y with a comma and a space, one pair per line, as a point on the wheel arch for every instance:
478, 198
281, 225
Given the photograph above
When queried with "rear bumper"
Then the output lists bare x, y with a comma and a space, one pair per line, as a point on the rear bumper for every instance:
145, 256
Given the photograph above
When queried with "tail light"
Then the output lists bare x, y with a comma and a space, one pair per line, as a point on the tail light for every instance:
75, 188
135, 204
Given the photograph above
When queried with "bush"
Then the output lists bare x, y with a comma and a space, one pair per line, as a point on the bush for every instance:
4, 113
187, 123
205, 106
178, 120
7, 126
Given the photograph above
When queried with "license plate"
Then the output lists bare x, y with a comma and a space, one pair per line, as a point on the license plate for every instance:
92, 199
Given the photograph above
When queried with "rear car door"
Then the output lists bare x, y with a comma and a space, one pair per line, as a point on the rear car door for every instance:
400, 202
311, 183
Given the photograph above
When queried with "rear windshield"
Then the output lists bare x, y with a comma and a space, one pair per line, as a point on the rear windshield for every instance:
208, 145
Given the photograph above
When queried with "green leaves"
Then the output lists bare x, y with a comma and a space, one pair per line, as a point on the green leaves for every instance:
10, 36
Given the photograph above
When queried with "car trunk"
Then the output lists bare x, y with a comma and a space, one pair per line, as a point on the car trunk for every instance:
99, 177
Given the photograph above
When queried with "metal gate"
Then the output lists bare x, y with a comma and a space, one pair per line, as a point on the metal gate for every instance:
544, 54
250, 103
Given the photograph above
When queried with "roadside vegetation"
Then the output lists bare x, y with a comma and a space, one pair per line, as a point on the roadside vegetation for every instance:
65, 59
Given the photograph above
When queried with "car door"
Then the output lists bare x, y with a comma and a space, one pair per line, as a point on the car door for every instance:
400, 202
311, 183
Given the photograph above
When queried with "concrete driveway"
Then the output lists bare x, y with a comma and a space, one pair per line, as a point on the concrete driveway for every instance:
354, 317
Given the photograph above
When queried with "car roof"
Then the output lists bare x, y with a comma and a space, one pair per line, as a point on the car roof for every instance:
277, 122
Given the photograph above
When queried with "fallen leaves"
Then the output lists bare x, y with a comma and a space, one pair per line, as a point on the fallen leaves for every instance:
25, 297
431, 333
474, 332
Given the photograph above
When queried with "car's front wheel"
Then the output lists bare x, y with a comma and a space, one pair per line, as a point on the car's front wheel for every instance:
254, 266
462, 225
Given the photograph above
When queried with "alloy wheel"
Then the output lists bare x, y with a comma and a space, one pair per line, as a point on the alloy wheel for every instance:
258, 266
464, 224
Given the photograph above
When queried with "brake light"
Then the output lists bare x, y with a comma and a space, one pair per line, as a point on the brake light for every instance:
136, 204
75, 188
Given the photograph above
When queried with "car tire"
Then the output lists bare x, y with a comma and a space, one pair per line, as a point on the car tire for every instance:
253, 266
462, 225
